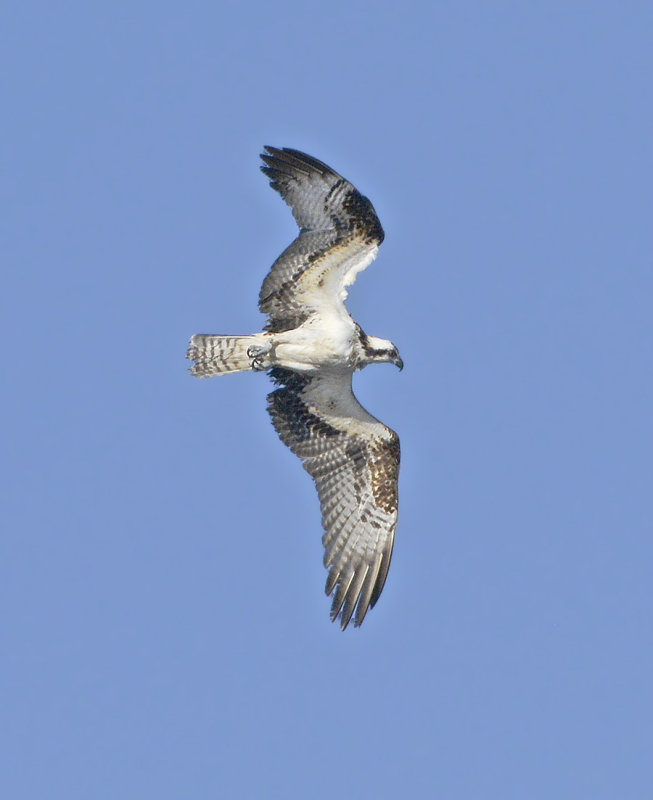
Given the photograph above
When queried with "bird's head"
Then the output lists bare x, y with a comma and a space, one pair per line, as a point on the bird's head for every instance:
381, 351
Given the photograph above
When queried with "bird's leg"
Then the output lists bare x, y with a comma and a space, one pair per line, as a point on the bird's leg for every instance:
257, 353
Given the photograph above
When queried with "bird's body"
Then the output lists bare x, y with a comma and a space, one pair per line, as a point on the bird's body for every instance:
311, 347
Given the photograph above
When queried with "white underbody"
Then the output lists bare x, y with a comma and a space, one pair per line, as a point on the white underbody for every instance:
315, 346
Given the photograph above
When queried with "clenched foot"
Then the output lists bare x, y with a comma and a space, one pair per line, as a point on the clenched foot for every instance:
257, 353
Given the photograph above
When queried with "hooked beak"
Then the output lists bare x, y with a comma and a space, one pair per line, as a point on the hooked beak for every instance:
398, 362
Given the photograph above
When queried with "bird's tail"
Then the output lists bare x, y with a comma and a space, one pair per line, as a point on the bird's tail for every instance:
217, 355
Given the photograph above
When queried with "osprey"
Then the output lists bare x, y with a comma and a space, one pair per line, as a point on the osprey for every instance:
311, 348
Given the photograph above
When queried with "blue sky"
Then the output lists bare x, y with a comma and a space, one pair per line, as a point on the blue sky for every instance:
164, 628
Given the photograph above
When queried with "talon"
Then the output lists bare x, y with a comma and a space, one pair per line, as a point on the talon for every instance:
255, 350
257, 363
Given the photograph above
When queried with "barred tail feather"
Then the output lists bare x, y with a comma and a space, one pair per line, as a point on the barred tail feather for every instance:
217, 355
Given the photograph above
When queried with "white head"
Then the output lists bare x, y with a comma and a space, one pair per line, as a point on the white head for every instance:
379, 351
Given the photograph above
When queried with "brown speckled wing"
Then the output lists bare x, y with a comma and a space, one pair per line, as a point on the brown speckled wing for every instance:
339, 233
354, 460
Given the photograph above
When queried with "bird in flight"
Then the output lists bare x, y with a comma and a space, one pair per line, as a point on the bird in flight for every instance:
311, 347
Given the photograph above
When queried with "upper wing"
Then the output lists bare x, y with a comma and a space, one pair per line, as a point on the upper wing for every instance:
354, 460
339, 236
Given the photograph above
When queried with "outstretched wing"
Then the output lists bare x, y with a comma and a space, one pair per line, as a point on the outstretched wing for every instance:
354, 460
339, 236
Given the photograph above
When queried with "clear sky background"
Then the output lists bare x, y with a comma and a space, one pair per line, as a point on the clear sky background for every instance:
164, 628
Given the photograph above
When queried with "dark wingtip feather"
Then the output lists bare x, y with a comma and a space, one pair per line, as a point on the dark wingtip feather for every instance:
353, 595
366, 591
332, 579
340, 596
380, 581
288, 158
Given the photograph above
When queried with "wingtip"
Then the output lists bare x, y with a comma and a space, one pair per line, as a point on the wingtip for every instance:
291, 158
268, 157
345, 616
343, 620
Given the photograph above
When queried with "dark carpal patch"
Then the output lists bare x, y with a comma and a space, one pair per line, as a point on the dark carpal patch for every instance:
384, 471
363, 216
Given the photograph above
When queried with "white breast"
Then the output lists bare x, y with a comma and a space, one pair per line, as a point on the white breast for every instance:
317, 344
